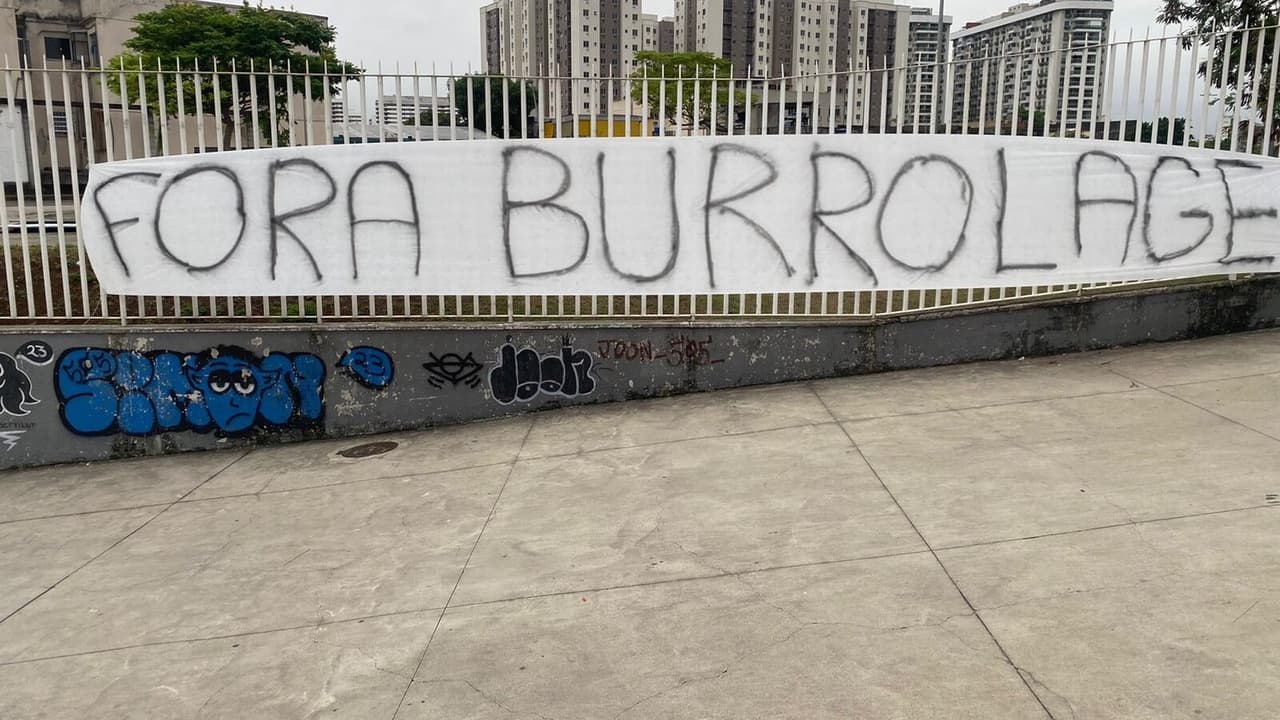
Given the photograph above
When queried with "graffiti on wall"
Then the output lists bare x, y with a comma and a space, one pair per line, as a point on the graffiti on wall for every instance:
10, 438
680, 351
523, 375
226, 389
454, 369
15, 384
17, 394
15, 388
371, 367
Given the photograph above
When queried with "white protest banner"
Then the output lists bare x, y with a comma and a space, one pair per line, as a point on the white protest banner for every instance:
677, 215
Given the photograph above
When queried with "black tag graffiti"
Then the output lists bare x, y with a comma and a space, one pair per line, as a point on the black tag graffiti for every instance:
454, 369
36, 352
523, 375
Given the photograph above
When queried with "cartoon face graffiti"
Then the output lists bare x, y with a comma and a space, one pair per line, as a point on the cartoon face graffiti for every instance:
232, 389
15, 388
369, 366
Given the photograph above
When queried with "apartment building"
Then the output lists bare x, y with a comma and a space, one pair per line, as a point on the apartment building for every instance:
657, 34
815, 43
1044, 58
586, 41
514, 37
927, 37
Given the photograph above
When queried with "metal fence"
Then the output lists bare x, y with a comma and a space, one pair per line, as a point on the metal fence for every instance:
57, 121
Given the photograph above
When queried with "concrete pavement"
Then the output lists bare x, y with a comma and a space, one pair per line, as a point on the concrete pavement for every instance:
1091, 536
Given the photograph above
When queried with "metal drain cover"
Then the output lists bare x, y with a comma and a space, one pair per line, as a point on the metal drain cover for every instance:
369, 450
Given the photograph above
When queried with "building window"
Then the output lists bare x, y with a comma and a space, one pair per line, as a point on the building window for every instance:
57, 47
59, 123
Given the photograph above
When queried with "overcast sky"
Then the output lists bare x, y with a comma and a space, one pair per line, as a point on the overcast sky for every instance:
448, 31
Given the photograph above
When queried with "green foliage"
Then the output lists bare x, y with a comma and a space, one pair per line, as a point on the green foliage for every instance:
1160, 130
289, 54
427, 118
1232, 51
1039, 124
487, 93
1207, 15
669, 80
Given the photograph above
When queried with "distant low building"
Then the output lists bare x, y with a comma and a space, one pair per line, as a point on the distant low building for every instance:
408, 110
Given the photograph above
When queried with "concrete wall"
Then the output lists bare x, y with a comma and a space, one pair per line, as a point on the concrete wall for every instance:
70, 395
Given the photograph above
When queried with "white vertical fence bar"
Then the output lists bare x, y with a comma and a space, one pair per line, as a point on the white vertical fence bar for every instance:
884, 98
1193, 67
180, 97
1108, 94
764, 107
143, 107
1142, 89
86, 122
968, 96
1254, 76
1270, 104
1002, 69
162, 112
1220, 116
58, 207
1175, 87
37, 182
1033, 88
11, 296
1239, 100
1124, 98
982, 102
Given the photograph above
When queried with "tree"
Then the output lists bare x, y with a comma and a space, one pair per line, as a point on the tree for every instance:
487, 93
670, 80
1024, 120
289, 54
1228, 50
1130, 131
427, 118
1161, 130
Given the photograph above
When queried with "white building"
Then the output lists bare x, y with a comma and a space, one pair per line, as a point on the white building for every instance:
1054, 60
926, 39
657, 34
408, 110
339, 113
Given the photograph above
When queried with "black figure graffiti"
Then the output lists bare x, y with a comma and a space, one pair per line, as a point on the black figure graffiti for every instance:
15, 388
15, 384
454, 369
523, 375
225, 389
369, 366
